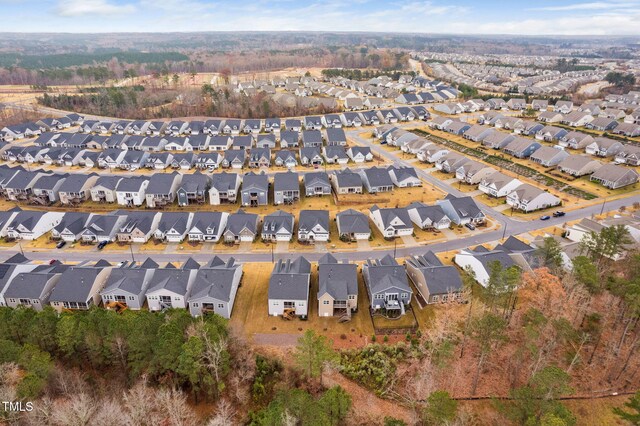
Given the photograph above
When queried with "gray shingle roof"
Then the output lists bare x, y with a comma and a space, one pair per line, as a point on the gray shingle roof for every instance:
339, 280
290, 280
215, 281
75, 284
353, 221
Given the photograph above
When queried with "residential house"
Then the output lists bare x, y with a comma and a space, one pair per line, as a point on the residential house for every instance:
138, 227
255, 190
550, 117
242, 142
208, 160
387, 285
126, 286
289, 284
346, 182
376, 179
428, 217
480, 260
613, 176
28, 286
521, 147
435, 282
311, 139
278, 226
498, 184
313, 225
285, 158
30, 225
169, 288
472, 172
604, 147
316, 184
45, 189
579, 165
630, 155
220, 143
131, 191
337, 287
193, 189
353, 225
335, 137
289, 139
360, 154
286, 188
234, 158
241, 227
79, 288
214, 288
101, 228
104, 189
207, 226
224, 188
293, 125
162, 188
272, 125
266, 141
576, 140
260, 157
462, 210
312, 123
71, 226
392, 222
76, 188
577, 119
528, 198
404, 177
549, 156
173, 226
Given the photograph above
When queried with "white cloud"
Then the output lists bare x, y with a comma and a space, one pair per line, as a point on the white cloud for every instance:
601, 5
92, 7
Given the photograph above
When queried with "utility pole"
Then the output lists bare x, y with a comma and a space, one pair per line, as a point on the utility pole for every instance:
504, 231
603, 203
133, 259
272, 255
395, 247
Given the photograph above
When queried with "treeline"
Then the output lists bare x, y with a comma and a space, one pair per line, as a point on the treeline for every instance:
527, 338
137, 102
66, 60
364, 74
138, 367
123, 102
564, 65
621, 80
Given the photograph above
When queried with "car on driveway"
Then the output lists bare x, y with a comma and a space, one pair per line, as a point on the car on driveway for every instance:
101, 244
558, 214
470, 226
545, 217
61, 244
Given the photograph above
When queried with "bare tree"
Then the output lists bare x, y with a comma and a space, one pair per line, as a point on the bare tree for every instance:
224, 415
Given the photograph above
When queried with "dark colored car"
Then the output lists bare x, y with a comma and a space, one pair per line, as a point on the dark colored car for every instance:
545, 217
559, 214
101, 244
61, 244
52, 261
470, 226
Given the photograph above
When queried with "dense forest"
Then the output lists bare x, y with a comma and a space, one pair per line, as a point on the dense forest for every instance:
527, 343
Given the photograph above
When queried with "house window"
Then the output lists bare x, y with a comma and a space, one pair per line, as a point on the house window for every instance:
132, 298
325, 302
436, 298
276, 303
352, 297
195, 305
221, 305
405, 295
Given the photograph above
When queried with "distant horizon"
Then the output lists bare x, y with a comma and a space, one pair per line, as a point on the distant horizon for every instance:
586, 18
422, 34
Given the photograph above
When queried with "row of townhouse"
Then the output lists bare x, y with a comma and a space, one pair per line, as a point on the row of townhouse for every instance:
209, 288
117, 159
196, 130
312, 225
613, 176
161, 189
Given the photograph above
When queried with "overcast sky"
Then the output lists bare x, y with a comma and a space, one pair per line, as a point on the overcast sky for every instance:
533, 17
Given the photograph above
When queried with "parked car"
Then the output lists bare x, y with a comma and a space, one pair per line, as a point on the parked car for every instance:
101, 244
470, 226
61, 244
558, 214
52, 261
545, 217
